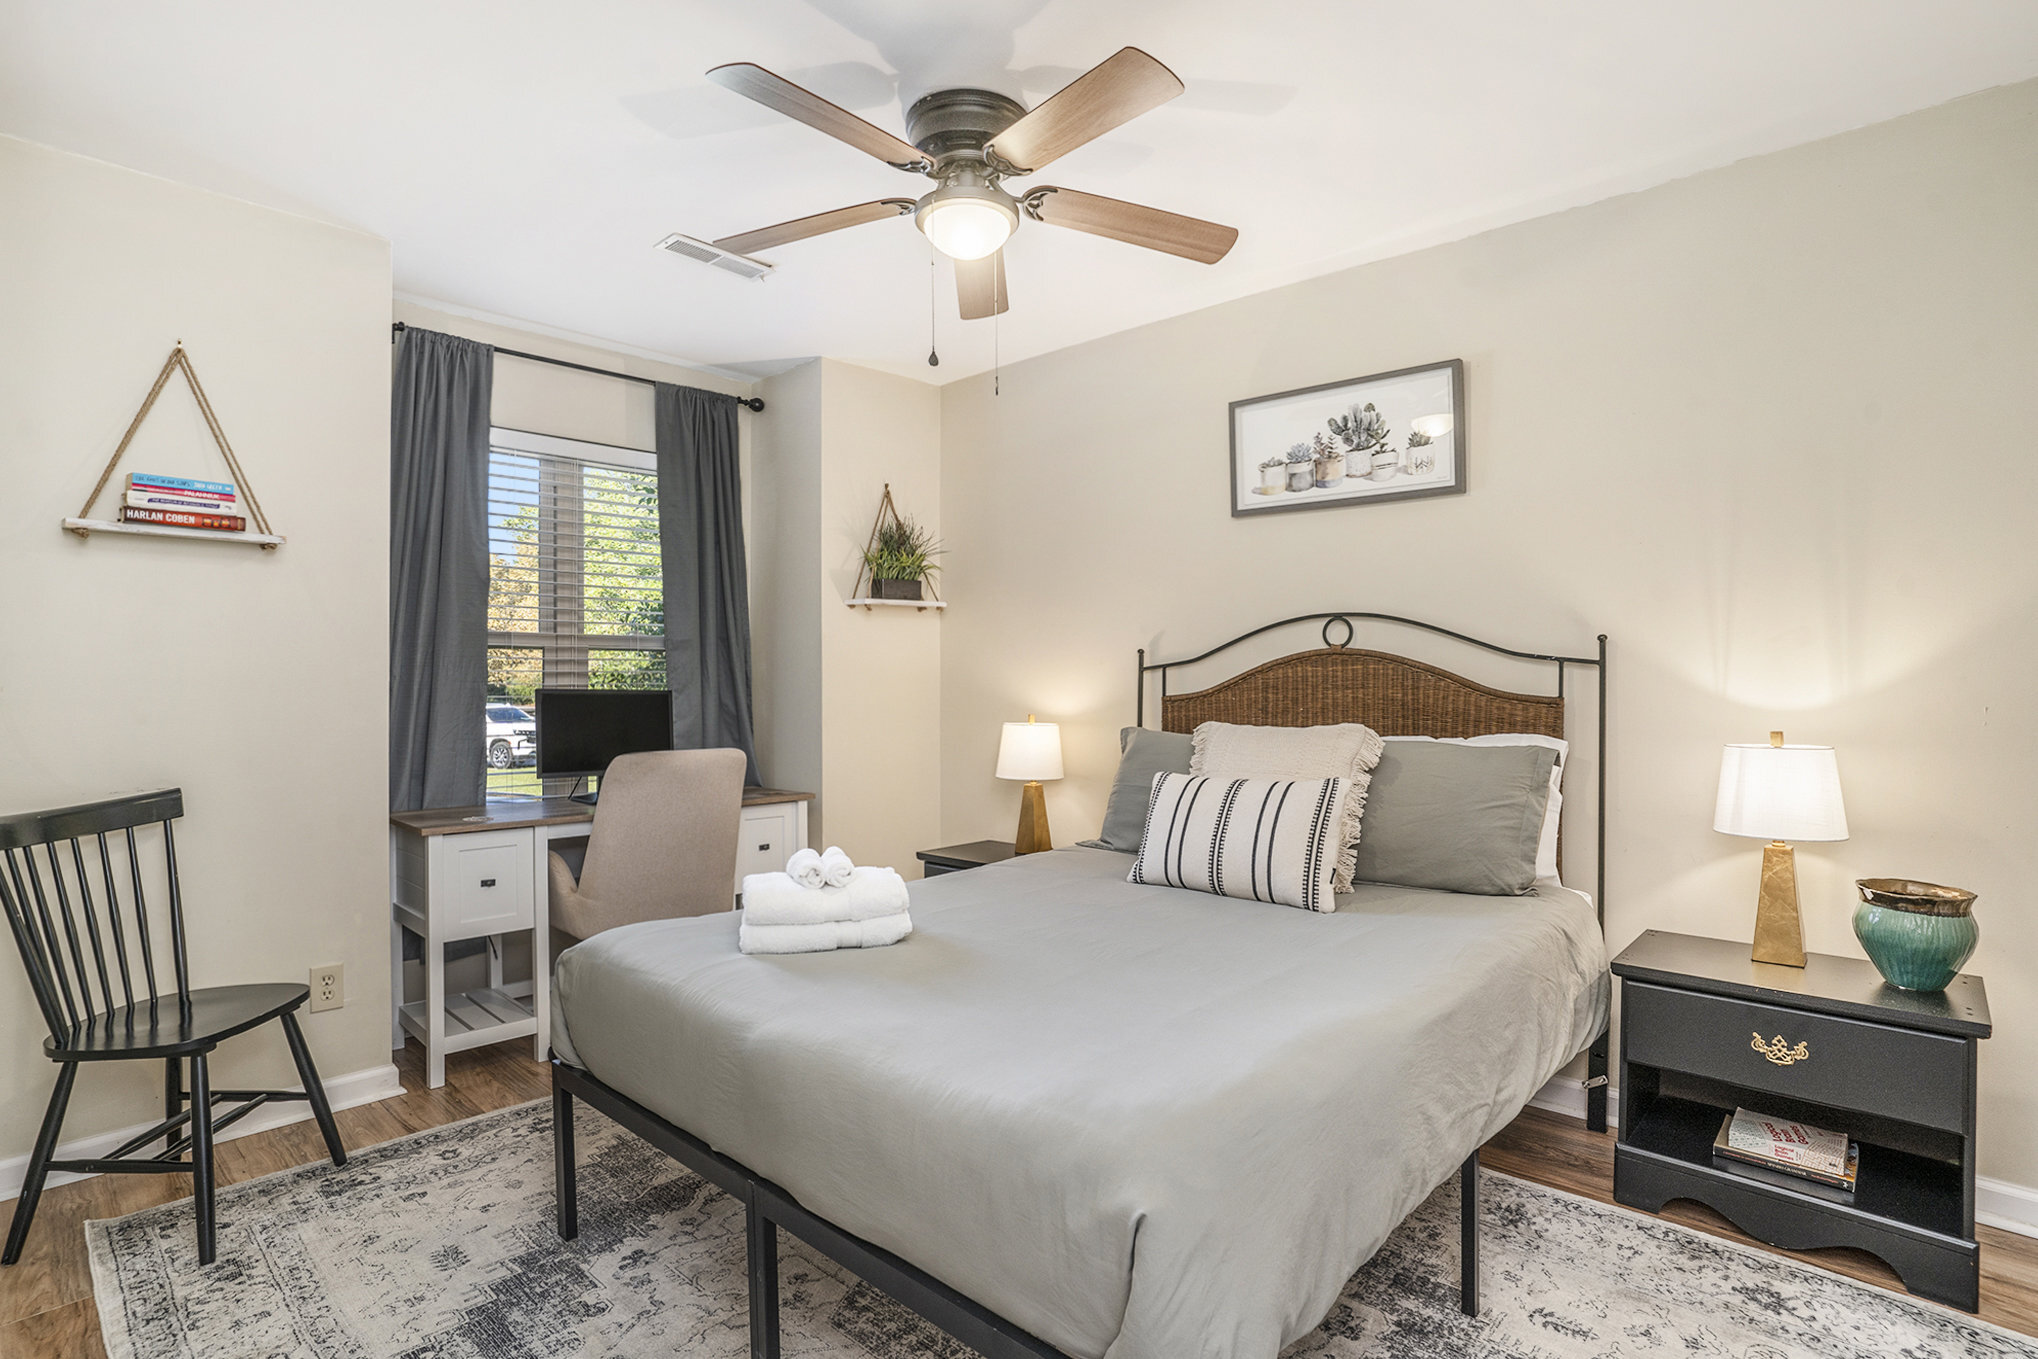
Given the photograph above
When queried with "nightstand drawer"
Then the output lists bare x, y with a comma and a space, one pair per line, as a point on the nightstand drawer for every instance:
1847, 1063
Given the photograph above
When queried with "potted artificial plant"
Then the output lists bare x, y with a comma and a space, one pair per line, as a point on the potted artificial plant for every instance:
1273, 475
1420, 457
1330, 462
900, 560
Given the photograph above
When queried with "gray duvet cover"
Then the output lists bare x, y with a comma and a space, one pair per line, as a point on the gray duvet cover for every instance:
1140, 1122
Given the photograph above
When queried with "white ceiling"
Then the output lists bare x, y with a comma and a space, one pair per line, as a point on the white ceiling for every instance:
524, 155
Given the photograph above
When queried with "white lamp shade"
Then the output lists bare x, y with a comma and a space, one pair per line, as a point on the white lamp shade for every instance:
1030, 750
1780, 793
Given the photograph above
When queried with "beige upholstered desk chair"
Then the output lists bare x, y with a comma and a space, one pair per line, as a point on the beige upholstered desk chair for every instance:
663, 843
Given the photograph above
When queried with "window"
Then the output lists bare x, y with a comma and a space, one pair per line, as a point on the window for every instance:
575, 593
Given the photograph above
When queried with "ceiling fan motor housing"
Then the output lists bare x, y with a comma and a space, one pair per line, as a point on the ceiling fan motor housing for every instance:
957, 124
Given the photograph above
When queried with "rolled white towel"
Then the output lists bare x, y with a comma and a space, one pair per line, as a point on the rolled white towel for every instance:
775, 899
824, 937
835, 866
805, 868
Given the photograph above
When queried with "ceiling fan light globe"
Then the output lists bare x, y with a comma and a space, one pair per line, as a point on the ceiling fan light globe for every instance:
966, 225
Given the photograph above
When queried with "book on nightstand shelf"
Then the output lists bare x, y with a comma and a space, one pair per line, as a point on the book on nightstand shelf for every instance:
1799, 1149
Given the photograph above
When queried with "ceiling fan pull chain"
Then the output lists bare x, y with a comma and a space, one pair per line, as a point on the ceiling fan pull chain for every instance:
933, 290
997, 306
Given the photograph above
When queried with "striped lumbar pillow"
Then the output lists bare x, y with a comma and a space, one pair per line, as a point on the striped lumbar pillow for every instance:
1260, 839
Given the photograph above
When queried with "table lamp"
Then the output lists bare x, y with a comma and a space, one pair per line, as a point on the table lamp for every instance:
1031, 751
1780, 793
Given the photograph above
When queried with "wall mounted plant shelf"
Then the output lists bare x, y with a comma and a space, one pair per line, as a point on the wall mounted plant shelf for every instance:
864, 594
84, 525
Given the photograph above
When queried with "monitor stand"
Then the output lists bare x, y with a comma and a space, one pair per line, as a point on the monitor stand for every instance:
590, 797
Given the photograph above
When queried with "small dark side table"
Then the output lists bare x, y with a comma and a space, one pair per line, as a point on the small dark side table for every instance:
1705, 1030
955, 858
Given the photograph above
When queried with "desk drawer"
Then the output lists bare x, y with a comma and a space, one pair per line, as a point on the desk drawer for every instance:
764, 839
482, 883
1847, 1063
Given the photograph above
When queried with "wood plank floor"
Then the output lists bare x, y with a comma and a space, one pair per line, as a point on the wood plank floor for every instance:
46, 1309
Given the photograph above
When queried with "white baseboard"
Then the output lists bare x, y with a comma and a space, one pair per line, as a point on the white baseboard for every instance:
1997, 1203
342, 1092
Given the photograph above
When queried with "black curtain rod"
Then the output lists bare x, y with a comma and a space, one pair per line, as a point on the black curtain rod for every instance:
755, 403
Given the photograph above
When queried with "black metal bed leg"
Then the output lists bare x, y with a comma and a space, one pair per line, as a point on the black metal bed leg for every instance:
1468, 1234
1596, 1084
39, 1163
565, 1174
201, 1156
762, 1241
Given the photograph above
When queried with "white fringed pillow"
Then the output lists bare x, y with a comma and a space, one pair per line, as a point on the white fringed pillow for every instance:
1347, 750
1258, 839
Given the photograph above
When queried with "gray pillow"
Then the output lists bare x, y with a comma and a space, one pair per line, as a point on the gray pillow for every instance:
1144, 753
1456, 818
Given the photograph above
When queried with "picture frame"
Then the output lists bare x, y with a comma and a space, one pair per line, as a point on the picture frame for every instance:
1300, 449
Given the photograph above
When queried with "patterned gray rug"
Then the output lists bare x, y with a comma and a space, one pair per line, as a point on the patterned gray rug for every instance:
440, 1246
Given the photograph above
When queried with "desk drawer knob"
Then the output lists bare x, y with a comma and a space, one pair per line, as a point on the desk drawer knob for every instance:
1780, 1052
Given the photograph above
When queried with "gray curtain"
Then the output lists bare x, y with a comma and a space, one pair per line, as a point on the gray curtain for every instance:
707, 587
438, 570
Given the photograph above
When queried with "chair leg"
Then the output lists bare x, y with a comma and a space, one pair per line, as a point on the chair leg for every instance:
173, 1096
39, 1162
566, 1176
201, 1154
314, 1090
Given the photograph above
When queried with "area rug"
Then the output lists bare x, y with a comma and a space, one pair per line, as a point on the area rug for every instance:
440, 1246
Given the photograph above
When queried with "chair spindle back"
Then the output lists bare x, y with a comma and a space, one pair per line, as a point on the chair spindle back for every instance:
55, 915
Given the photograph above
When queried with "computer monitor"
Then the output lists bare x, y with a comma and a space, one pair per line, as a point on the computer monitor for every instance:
581, 730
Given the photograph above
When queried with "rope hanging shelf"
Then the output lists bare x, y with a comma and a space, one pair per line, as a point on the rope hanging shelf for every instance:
85, 526
863, 594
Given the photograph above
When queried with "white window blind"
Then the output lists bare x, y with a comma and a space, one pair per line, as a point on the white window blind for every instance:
575, 592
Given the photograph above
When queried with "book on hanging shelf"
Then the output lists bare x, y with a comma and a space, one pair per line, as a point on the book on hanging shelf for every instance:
147, 492
1800, 1149
213, 488
219, 523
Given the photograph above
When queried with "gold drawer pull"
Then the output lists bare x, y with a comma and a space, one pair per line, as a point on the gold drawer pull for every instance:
1781, 1053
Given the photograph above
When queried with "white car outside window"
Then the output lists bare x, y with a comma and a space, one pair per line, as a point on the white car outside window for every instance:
512, 736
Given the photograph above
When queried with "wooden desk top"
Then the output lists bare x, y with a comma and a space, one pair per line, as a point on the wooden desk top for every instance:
543, 811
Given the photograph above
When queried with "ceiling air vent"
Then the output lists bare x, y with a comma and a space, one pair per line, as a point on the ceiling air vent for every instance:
740, 265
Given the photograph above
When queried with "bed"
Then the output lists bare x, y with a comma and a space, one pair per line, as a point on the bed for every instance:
1079, 1116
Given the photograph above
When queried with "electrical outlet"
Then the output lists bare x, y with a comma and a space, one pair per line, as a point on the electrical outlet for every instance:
327, 992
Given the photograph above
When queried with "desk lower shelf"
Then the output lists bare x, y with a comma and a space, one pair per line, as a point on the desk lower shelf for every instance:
475, 1018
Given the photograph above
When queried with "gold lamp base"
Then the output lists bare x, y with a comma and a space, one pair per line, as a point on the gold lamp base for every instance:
1779, 929
1032, 836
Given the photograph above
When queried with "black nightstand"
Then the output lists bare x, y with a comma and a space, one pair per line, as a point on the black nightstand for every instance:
1704, 1029
955, 858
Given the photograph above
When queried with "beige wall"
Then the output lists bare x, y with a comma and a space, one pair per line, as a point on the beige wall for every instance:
854, 694
253, 680
1770, 427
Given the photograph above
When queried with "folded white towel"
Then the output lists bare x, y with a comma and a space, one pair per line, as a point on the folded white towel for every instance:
775, 899
835, 866
805, 868
824, 937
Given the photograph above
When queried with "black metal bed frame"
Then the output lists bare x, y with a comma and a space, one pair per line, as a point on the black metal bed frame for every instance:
767, 1207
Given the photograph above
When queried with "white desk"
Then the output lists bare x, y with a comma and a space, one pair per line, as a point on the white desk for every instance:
480, 872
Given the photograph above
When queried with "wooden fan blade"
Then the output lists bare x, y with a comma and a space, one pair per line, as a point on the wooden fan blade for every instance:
1134, 223
764, 238
980, 286
777, 93
1116, 90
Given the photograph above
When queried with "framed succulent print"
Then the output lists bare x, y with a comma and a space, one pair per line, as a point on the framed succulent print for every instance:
1391, 436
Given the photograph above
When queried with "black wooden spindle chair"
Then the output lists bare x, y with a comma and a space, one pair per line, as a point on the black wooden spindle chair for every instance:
54, 914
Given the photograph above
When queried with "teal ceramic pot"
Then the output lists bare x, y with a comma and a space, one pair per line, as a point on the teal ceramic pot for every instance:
1916, 933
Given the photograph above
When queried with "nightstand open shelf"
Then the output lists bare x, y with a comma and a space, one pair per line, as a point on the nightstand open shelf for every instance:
1897, 1189
1704, 1031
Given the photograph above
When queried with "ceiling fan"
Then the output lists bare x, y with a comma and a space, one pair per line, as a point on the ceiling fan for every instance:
968, 142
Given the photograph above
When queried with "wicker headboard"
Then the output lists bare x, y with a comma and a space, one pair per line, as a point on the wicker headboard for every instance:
1393, 695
